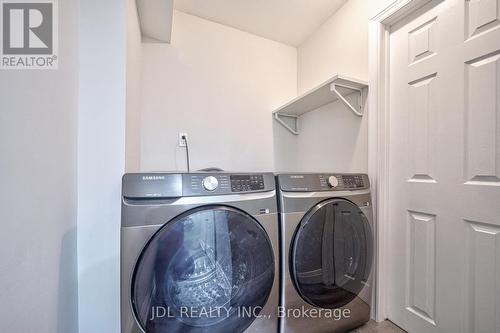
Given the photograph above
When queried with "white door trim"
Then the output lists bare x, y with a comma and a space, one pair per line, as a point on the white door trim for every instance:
378, 137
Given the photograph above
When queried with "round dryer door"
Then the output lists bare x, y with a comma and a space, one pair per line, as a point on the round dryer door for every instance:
331, 254
202, 272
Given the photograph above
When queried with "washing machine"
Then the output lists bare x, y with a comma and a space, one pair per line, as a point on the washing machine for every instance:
199, 253
327, 251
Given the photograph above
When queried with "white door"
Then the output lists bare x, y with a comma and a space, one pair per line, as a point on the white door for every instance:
444, 168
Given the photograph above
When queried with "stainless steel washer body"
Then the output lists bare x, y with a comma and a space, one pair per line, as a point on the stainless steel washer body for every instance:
180, 245
327, 251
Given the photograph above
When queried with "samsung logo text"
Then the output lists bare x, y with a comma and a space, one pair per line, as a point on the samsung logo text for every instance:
153, 177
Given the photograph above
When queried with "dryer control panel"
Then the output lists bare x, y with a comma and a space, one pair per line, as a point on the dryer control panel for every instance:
305, 182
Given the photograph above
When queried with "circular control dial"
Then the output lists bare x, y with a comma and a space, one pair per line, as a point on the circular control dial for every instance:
210, 183
333, 181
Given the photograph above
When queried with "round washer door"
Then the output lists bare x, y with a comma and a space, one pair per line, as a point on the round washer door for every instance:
331, 254
210, 269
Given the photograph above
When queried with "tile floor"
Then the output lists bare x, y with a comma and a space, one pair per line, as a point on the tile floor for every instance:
383, 327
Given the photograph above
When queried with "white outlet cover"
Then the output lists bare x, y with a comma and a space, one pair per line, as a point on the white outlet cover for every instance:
182, 142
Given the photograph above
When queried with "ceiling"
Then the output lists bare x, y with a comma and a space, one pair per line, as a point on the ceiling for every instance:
286, 21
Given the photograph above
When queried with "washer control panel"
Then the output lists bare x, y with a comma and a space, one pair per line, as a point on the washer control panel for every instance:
195, 184
165, 185
322, 182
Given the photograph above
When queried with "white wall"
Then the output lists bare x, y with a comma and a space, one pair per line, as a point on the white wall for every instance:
340, 46
134, 90
101, 161
38, 165
286, 149
219, 85
331, 138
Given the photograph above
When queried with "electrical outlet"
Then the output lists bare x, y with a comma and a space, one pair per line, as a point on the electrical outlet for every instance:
182, 142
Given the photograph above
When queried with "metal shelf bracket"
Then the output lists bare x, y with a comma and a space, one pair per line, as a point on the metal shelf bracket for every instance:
294, 130
338, 88
347, 104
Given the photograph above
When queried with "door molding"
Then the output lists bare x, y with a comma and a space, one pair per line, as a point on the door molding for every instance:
378, 137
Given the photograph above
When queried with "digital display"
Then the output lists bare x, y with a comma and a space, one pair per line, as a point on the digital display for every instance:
241, 183
352, 181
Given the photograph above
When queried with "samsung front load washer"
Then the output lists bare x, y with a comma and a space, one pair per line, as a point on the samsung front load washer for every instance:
327, 252
199, 253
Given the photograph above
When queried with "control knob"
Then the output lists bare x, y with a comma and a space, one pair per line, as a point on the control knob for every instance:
210, 183
333, 181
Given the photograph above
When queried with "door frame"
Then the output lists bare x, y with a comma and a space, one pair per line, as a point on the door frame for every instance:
378, 137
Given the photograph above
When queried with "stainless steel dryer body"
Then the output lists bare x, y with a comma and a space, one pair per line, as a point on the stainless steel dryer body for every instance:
327, 252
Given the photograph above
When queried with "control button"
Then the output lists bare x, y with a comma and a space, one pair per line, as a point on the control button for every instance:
333, 181
245, 183
210, 183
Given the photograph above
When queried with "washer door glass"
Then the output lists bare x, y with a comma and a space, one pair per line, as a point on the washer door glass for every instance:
210, 269
331, 254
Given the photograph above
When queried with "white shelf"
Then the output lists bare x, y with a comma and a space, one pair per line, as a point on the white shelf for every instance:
330, 91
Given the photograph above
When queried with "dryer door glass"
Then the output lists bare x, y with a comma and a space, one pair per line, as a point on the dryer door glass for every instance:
331, 254
210, 269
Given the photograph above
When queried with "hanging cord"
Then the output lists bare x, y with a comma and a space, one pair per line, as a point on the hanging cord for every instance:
187, 151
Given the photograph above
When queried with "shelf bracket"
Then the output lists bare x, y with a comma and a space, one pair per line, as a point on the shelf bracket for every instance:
295, 130
333, 88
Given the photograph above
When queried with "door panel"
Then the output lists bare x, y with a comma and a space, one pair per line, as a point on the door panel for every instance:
421, 232
483, 260
201, 271
422, 134
444, 168
481, 16
331, 254
482, 123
